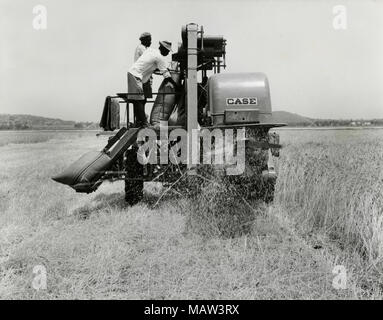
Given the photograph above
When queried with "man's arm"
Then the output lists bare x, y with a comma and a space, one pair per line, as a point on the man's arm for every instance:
161, 66
138, 53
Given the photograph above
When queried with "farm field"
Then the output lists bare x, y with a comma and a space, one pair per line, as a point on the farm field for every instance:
328, 212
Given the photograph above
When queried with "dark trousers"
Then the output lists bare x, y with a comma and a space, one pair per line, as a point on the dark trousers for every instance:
139, 112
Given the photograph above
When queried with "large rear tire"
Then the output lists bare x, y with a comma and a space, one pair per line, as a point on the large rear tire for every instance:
134, 183
252, 185
269, 190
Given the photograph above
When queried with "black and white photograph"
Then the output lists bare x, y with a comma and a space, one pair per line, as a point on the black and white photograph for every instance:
181, 150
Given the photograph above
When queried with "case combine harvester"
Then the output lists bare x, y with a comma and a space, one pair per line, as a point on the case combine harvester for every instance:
210, 102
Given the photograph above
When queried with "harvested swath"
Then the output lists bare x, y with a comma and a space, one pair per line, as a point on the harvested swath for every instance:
216, 209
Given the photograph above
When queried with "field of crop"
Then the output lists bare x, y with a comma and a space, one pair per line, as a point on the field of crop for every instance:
328, 212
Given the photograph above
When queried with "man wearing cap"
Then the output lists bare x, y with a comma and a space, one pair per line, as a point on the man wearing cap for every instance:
146, 41
151, 60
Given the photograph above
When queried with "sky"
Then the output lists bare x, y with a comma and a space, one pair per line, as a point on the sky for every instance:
66, 70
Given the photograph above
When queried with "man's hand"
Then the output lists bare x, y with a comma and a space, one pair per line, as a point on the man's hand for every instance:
169, 80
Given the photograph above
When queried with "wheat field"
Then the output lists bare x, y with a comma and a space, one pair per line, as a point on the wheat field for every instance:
327, 212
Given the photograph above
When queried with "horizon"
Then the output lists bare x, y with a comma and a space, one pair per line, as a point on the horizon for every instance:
96, 121
66, 70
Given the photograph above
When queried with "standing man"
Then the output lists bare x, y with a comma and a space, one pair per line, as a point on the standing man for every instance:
140, 73
146, 41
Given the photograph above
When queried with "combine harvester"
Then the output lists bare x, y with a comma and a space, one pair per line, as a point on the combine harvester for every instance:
219, 104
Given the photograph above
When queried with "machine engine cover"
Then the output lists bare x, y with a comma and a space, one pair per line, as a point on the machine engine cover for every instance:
243, 91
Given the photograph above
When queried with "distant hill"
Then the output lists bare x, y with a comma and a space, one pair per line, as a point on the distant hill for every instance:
292, 118
296, 120
27, 121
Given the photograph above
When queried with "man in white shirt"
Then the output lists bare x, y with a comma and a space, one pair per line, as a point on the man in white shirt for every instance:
151, 60
146, 41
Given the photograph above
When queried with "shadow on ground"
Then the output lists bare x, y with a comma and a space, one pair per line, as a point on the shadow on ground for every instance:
101, 202
116, 201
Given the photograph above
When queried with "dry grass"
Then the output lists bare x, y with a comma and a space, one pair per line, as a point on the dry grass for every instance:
30, 136
95, 247
331, 184
217, 209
